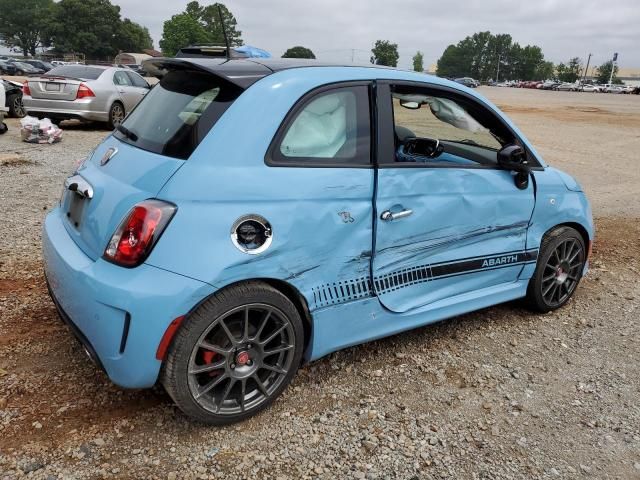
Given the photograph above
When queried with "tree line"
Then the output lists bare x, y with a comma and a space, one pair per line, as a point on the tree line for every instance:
485, 56
94, 28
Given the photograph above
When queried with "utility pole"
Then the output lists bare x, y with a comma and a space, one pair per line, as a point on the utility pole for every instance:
353, 52
613, 66
584, 77
498, 70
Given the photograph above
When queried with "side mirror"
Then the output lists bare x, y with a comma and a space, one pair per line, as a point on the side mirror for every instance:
513, 157
410, 105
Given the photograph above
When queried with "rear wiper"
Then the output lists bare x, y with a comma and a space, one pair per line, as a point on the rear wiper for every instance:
127, 133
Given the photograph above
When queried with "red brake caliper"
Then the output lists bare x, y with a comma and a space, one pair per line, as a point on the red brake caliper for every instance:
211, 357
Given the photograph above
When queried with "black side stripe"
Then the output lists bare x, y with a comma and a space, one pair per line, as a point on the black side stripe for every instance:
363, 287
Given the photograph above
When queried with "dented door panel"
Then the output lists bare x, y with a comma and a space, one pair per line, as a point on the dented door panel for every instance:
467, 231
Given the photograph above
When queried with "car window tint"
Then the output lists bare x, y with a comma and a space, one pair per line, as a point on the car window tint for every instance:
332, 126
76, 71
137, 80
121, 79
178, 113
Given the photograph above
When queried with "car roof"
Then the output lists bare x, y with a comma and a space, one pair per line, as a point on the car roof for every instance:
243, 72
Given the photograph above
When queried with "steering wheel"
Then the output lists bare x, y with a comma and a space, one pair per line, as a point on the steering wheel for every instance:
422, 147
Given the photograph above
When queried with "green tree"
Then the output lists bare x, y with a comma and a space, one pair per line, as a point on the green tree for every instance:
199, 24
544, 71
418, 62
180, 31
569, 72
603, 73
133, 37
90, 27
485, 56
24, 24
299, 52
385, 53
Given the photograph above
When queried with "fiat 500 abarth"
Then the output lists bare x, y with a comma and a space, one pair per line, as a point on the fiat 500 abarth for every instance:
250, 215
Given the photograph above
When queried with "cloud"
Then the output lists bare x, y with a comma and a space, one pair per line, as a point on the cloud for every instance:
339, 29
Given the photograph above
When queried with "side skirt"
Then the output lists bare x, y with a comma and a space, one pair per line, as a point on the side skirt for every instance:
340, 326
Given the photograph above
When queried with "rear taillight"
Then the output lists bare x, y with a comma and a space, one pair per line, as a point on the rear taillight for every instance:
134, 239
25, 88
84, 91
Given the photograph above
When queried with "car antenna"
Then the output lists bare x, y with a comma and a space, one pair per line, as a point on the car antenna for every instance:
224, 33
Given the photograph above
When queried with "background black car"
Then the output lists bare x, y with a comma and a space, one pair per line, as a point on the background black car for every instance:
44, 66
7, 68
14, 98
467, 82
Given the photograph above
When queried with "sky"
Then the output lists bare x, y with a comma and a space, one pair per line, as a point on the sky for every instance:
339, 30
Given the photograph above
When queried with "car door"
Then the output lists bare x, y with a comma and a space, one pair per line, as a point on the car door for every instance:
448, 222
139, 84
127, 92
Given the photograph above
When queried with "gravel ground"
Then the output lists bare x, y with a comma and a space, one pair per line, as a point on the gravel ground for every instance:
500, 393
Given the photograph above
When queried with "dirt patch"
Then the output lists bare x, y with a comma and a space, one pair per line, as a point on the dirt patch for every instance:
13, 160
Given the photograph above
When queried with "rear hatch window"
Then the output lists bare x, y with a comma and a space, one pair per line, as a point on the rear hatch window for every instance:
177, 113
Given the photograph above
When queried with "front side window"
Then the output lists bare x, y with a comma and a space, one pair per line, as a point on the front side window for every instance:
137, 80
444, 130
332, 127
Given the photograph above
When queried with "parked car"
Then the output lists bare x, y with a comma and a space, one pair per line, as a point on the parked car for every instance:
13, 102
549, 85
7, 68
615, 89
102, 94
468, 82
229, 229
627, 89
42, 65
636, 90
3, 110
566, 87
590, 88
24, 69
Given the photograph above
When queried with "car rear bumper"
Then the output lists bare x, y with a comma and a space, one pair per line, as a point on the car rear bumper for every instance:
84, 109
118, 314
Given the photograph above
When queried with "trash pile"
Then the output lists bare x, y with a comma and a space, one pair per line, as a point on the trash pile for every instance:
39, 131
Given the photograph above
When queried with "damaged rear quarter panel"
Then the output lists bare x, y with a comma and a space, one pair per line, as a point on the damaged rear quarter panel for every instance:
321, 217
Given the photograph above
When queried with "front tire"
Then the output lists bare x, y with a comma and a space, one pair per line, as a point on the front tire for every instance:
235, 354
558, 271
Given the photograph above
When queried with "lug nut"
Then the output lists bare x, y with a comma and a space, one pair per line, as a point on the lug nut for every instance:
249, 362
233, 365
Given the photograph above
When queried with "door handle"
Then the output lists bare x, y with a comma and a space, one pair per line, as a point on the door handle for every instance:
388, 216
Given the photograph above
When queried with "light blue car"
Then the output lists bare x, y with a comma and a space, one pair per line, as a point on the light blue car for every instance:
253, 214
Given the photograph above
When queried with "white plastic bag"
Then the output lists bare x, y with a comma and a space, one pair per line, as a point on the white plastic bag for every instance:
39, 131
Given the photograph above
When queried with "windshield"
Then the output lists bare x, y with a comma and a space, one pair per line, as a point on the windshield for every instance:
76, 71
177, 113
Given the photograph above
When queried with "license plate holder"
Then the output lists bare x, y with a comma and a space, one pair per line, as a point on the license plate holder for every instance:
76, 206
52, 87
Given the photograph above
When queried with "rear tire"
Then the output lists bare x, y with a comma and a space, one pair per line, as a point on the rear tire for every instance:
16, 108
116, 115
235, 354
558, 271
3, 128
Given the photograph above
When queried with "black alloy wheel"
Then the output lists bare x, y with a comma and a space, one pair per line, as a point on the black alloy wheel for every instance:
559, 269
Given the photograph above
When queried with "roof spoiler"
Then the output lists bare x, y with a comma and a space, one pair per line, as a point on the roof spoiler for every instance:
241, 74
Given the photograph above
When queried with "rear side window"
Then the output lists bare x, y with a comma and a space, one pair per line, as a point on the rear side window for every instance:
330, 128
177, 113
76, 71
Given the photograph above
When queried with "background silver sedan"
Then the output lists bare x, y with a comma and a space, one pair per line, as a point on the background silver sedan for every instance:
85, 92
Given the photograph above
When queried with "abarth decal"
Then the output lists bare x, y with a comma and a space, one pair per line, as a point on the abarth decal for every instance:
355, 289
